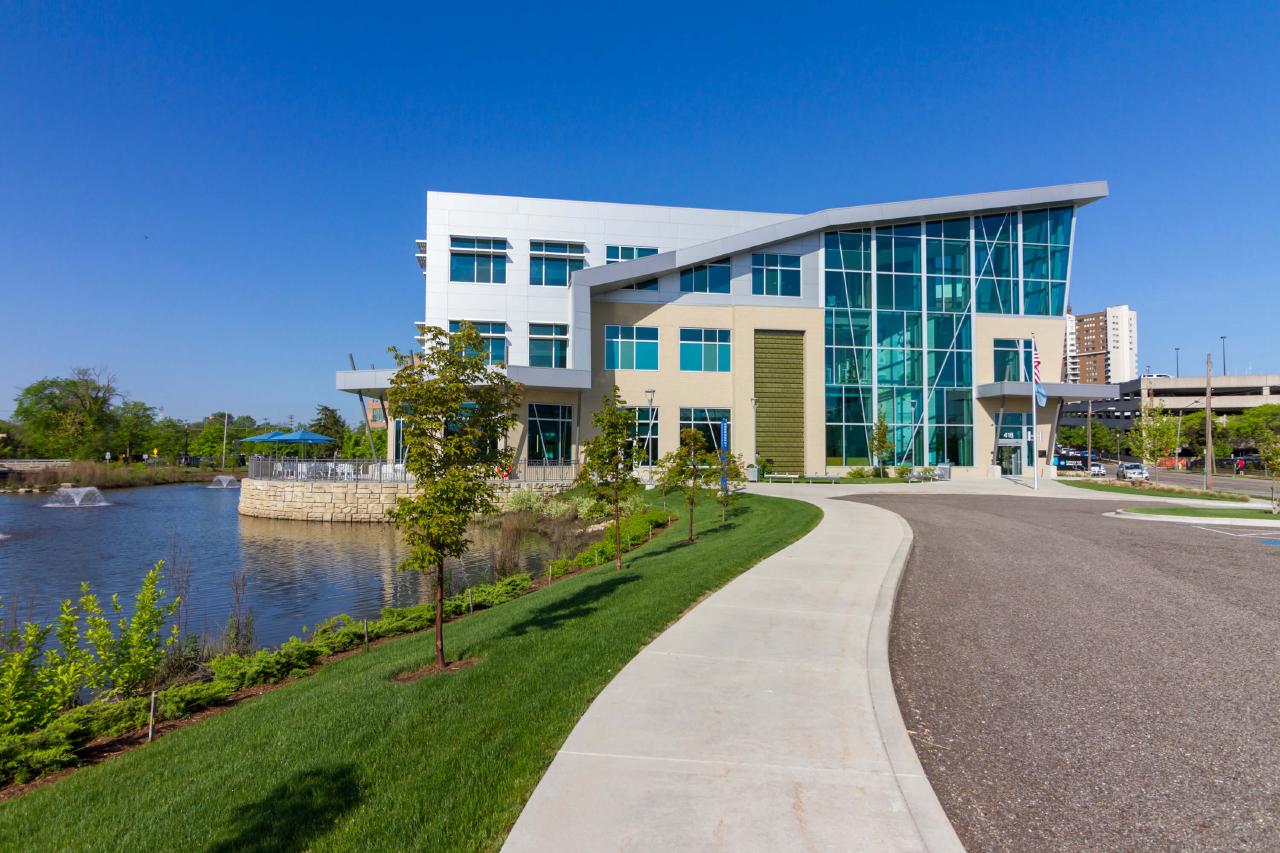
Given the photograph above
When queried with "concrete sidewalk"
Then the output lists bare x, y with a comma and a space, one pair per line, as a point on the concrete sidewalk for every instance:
764, 720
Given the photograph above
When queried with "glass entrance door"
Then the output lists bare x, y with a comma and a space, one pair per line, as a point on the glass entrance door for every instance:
1010, 461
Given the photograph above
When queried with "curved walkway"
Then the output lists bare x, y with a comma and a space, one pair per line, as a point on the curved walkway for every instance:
764, 719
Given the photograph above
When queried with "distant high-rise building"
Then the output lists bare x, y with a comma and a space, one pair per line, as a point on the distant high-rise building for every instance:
1106, 344
1071, 353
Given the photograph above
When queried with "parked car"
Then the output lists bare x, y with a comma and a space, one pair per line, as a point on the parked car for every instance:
1097, 469
1131, 471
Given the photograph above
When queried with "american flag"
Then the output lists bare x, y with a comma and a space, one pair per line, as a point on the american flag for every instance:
1041, 396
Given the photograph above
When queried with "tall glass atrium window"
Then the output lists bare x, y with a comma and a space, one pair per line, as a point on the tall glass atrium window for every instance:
708, 422
551, 264
706, 278
996, 263
1046, 238
549, 345
775, 275
631, 347
550, 437
705, 350
478, 260
849, 376
495, 338
646, 434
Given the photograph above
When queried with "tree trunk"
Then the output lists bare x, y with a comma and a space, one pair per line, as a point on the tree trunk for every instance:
690, 505
440, 614
617, 532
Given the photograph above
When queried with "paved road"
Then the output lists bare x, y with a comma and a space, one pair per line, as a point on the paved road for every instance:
1080, 682
1222, 482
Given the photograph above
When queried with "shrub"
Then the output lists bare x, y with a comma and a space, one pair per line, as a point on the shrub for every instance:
525, 500
590, 509
558, 568
861, 473
902, 471
557, 508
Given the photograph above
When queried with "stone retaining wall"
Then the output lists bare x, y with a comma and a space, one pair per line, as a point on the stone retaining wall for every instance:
338, 501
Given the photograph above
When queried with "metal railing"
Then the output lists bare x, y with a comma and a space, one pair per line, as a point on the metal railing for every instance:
328, 470
367, 470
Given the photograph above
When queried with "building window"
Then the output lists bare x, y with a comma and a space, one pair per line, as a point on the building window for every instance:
549, 345
631, 347
1012, 360
551, 264
618, 254
705, 350
775, 275
1046, 237
494, 334
708, 422
550, 434
996, 263
706, 278
646, 435
478, 260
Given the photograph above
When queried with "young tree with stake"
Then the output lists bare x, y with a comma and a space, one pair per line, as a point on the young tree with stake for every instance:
608, 460
881, 444
456, 411
687, 470
1155, 435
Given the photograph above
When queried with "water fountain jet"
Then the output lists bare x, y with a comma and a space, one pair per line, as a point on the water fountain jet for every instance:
77, 496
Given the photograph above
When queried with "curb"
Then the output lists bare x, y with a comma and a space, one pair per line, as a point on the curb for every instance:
1261, 524
931, 820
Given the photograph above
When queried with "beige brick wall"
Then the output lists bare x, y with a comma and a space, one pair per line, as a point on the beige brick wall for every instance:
324, 501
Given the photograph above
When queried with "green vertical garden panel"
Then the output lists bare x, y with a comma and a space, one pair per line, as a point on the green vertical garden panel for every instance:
779, 392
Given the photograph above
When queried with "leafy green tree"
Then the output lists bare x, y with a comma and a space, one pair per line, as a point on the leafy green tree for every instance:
355, 443
10, 446
208, 442
1154, 435
688, 469
730, 467
1074, 437
68, 416
881, 444
457, 411
608, 460
135, 423
1269, 452
171, 437
1254, 427
328, 422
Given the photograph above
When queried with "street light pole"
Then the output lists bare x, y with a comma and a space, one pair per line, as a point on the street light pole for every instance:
1177, 364
1208, 422
1224, 354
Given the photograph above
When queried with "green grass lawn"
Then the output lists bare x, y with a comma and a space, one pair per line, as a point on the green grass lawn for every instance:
1208, 512
1156, 491
345, 759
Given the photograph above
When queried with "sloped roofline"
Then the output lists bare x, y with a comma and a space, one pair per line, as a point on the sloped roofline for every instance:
653, 266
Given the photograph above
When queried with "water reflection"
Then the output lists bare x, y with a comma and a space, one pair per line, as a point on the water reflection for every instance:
299, 573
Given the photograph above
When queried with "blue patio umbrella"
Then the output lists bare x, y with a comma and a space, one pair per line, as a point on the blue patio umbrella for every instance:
302, 436
265, 437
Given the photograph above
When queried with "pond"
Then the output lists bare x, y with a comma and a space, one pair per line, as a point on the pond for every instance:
298, 573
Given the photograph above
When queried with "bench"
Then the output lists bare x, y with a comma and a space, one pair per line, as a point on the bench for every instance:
770, 478
921, 477
823, 478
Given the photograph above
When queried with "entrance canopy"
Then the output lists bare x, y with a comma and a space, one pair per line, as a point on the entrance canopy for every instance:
1059, 390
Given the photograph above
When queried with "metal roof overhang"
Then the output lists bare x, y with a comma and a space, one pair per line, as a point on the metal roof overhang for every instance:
371, 383
1061, 390
613, 276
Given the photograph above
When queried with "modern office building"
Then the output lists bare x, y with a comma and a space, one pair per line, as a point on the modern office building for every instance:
788, 334
1106, 345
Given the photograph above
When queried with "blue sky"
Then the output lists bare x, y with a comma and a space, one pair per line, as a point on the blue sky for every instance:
219, 203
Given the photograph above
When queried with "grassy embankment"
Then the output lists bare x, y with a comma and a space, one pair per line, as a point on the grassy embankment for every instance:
349, 759
1208, 512
1138, 488
114, 475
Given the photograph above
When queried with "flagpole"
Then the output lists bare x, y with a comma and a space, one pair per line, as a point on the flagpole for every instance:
1035, 438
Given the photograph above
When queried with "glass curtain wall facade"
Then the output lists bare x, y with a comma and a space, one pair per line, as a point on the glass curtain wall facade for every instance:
900, 302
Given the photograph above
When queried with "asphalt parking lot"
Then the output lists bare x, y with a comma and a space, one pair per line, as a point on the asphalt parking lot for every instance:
1074, 681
